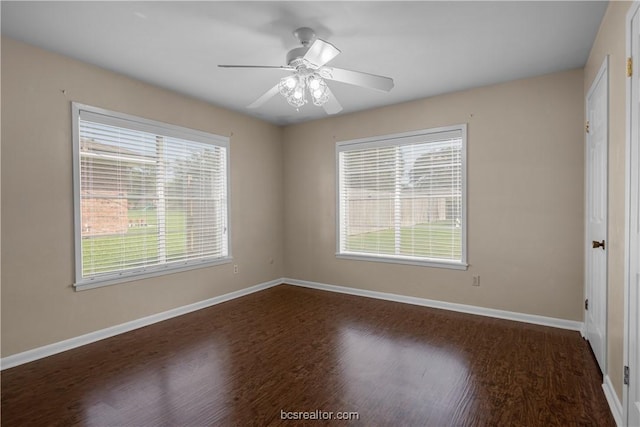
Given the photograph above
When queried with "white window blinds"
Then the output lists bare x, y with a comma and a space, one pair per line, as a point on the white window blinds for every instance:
150, 197
402, 198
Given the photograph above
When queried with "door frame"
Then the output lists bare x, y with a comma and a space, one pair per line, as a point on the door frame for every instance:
630, 307
603, 73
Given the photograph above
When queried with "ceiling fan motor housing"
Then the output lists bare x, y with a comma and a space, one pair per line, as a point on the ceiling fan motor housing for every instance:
294, 56
306, 35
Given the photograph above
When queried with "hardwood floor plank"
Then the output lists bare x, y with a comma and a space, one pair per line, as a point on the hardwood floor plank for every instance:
290, 349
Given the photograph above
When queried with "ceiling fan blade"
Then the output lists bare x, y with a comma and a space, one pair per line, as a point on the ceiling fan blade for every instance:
320, 53
282, 67
264, 98
332, 106
358, 78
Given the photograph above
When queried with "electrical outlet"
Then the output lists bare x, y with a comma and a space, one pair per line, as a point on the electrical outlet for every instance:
235, 268
476, 281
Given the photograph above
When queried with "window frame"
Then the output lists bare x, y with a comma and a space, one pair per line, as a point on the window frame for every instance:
161, 129
398, 139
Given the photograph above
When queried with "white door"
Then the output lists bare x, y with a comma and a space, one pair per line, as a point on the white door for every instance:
633, 250
596, 214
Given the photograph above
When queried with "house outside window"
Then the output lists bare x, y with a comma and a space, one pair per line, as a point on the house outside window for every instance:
150, 198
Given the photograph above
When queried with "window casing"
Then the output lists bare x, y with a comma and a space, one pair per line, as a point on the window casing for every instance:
402, 198
149, 198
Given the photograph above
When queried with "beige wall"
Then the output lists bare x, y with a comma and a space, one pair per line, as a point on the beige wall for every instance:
525, 197
39, 305
611, 41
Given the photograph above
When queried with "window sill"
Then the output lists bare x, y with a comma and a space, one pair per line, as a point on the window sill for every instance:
452, 265
114, 279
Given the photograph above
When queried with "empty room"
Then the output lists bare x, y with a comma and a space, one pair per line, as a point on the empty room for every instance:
320, 213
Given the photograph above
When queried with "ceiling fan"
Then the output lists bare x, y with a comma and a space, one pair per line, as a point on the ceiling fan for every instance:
308, 64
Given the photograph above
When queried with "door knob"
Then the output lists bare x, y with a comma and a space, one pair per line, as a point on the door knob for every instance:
597, 244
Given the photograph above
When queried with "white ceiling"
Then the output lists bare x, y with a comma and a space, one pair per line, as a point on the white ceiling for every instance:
428, 48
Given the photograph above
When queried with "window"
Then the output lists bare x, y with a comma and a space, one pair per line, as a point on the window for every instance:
149, 197
401, 198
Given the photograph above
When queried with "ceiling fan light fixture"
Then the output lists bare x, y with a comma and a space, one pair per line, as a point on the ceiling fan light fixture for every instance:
294, 89
287, 85
320, 92
314, 82
291, 82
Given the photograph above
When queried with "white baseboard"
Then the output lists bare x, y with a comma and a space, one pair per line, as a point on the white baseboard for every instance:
59, 347
612, 399
470, 309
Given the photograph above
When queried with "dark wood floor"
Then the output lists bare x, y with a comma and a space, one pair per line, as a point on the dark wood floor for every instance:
294, 349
